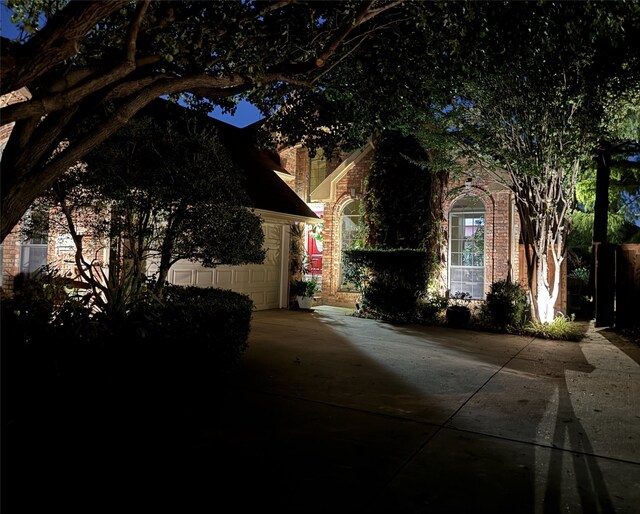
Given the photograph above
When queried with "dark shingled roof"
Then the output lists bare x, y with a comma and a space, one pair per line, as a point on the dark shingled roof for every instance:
265, 189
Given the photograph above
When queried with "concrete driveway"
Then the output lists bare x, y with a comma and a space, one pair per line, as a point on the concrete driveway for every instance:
332, 413
329, 413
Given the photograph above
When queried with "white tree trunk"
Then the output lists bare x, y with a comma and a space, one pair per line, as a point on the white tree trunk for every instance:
547, 290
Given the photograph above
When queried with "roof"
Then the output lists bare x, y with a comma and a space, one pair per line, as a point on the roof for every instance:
266, 190
326, 190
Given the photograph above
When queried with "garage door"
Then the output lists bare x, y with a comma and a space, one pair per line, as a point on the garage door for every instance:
261, 282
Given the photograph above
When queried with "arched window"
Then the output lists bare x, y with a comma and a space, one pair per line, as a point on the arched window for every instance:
466, 247
349, 231
33, 251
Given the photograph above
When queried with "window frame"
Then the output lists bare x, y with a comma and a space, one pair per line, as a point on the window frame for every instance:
474, 211
342, 286
39, 242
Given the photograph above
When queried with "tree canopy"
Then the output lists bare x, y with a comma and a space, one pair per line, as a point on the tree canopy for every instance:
538, 77
92, 65
532, 107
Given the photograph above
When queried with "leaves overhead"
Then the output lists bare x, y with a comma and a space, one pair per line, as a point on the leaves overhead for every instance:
96, 64
159, 191
325, 72
532, 104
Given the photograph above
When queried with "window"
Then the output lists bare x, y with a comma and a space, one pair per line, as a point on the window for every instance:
318, 170
33, 252
466, 247
349, 232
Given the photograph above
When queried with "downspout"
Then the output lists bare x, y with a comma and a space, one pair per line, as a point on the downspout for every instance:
285, 242
493, 242
510, 238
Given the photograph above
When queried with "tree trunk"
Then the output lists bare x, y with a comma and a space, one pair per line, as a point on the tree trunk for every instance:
547, 289
601, 207
602, 291
544, 297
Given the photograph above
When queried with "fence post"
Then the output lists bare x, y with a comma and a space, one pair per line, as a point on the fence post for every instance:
605, 280
627, 285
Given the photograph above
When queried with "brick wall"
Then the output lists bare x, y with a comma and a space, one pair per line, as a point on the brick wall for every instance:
501, 223
349, 188
21, 95
501, 232
10, 260
501, 227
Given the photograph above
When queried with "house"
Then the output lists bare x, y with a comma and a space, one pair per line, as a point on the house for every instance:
267, 284
481, 226
324, 195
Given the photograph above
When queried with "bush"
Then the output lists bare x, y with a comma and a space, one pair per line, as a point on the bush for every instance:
506, 305
204, 329
304, 287
581, 274
561, 328
51, 337
391, 281
51, 344
429, 307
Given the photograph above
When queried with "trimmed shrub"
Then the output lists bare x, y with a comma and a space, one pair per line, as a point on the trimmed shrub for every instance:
430, 307
506, 305
205, 329
391, 281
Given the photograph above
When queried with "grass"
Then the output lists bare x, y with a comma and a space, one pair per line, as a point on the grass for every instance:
561, 328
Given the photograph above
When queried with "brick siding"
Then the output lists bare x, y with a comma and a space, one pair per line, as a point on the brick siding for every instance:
502, 227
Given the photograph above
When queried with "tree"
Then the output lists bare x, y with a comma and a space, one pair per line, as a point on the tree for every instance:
622, 195
531, 134
405, 186
535, 109
157, 191
94, 65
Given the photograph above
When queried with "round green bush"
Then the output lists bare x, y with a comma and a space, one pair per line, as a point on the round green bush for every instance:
506, 304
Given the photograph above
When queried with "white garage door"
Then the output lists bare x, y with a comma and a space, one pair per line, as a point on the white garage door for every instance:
260, 281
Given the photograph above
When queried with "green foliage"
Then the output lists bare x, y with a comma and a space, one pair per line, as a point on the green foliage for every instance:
623, 201
506, 305
402, 211
298, 257
531, 106
430, 307
314, 56
204, 331
459, 299
158, 191
581, 274
304, 288
46, 309
399, 209
561, 328
391, 281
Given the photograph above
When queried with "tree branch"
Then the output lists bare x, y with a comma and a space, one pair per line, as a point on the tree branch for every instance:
49, 104
376, 12
57, 41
